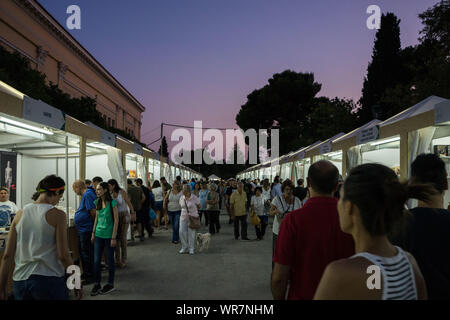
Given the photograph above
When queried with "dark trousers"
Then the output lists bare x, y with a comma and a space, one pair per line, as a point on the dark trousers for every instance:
214, 223
86, 250
144, 219
243, 220
38, 287
101, 244
274, 244
261, 229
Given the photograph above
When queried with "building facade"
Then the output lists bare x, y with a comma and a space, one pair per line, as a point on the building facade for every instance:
26, 27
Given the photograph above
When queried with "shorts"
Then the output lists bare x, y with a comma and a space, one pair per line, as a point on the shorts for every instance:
158, 205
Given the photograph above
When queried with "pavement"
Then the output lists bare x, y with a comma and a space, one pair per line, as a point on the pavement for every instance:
229, 269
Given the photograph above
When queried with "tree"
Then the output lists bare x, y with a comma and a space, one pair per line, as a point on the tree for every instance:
283, 104
426, 66
329, 117
383, 72
163, 148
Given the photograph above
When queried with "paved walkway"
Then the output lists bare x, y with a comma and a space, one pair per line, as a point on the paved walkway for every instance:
230, 269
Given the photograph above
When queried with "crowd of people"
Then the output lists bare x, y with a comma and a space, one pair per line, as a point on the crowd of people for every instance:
326, 232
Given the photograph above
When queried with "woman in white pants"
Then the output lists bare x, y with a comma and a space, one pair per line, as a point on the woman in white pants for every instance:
190, 205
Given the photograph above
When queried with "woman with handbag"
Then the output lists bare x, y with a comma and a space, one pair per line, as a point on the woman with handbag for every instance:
189, 220
172, 205
257, 208
124, 207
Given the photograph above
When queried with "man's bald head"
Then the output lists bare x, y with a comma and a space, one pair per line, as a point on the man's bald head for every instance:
79, 187
323, 177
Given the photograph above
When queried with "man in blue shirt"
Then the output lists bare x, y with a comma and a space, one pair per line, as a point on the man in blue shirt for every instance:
192, 184
276, 189
84, 222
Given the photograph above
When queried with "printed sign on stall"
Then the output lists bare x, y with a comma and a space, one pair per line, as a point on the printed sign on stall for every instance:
137, 149
40, 112
442, 112
368, 135
326, 147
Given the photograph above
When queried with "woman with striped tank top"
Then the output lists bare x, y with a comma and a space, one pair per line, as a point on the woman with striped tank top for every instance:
371, 206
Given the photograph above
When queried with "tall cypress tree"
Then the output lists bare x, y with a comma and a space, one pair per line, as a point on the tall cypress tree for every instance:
383, 72
163, 149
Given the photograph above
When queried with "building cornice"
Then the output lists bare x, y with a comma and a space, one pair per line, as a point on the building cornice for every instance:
37, 11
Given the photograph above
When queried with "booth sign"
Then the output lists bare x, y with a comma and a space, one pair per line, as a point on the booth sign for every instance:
326, 147
442, 112
40, 112
368, 135
137, 149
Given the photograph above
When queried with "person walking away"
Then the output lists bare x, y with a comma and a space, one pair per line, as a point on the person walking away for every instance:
37, 245
8, 209
174, 210
202, 195
212, 209
190, 205
312, 233
84, 222
300, 191
238, 201
231, 188
276, 188
143, 215
159, 199
426, 231
124, 207
257, 205
137, 199
371, 205
104, 237
280, 206
166, 187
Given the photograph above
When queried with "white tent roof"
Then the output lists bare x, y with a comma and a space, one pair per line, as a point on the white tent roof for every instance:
421, 107
213, 177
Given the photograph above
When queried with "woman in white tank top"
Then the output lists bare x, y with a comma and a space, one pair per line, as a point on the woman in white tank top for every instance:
38, 245
371, 206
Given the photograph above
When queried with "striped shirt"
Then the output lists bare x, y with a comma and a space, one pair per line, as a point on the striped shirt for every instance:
397, 273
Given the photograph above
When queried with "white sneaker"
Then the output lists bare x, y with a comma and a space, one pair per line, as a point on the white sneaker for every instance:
183, 251
191, 251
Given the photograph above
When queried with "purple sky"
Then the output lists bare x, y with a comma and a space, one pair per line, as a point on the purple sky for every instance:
198, 60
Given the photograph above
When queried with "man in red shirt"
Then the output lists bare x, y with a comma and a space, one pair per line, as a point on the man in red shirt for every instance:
310, 238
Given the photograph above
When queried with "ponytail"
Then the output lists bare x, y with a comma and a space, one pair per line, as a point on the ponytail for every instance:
381, 198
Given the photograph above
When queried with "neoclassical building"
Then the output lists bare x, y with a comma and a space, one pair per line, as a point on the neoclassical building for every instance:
26, 27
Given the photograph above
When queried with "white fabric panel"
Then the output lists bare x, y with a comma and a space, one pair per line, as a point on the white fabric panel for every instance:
115, 165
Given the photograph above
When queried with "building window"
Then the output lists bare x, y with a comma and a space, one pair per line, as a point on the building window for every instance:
109, 122
114, 123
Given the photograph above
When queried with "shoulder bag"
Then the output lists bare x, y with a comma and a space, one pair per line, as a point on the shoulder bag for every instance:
194, 222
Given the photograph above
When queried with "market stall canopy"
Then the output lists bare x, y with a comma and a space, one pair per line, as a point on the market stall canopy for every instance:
213, 177
368, 130
300, 153
430, 103
327, 145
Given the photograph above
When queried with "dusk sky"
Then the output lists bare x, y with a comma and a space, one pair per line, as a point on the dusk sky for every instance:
198, 60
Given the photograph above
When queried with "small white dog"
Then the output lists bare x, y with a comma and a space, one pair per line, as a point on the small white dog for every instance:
202, 241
